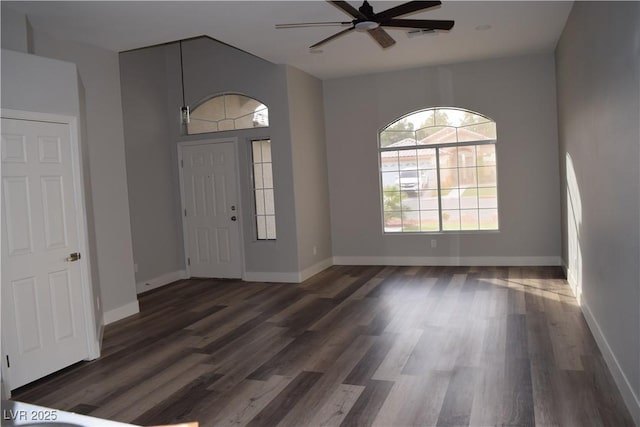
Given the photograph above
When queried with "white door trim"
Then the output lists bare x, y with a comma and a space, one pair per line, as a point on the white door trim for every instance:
83, 243
211, 141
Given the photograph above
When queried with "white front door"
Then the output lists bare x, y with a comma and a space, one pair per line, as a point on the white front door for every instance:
211, 212
43, 320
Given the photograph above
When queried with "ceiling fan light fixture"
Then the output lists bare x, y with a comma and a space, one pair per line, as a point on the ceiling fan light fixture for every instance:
366, 26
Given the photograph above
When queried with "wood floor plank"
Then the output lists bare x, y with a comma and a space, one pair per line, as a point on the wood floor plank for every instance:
352, 346
339, 404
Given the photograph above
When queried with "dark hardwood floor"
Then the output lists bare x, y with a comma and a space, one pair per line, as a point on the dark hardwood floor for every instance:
352, 346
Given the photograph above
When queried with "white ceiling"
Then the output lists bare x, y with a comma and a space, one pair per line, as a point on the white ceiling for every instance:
517, 27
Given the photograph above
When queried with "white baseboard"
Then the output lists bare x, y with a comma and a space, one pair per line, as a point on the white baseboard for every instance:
630, 398
448, 261
315, 269
159, 281
121, 312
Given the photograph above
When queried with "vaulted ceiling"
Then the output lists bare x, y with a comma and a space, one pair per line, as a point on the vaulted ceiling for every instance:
482, 30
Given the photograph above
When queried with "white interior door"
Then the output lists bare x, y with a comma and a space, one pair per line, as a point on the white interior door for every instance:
211, 212
43, 320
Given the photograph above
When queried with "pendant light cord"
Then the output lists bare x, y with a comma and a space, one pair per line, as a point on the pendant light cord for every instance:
182, 75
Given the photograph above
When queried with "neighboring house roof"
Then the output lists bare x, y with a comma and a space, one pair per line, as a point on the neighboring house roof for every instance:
444, 135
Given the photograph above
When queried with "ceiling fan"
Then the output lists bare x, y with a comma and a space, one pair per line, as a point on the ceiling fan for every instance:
366, 20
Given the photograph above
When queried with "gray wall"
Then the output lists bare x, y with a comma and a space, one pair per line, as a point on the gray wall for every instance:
518, 93
99, 72
155, 222
14, 29
32, 83
599, 111
311, 185
210, 68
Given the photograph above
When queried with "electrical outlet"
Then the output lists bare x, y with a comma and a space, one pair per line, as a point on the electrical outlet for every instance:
434, 243
315, 250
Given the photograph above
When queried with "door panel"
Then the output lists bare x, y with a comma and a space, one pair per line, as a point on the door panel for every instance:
210, 196
43, 321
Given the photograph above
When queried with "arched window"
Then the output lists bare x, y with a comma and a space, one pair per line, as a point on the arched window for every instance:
230, 111
438, 172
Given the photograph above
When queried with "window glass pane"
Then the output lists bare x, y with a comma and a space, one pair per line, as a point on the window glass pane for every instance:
392, 201
397, 138
393, 221
467, 156
487, 176
226, 124
429, 221
211, 110
239, 105
448, 157
488, 197
428, 179
389, 161
263, 189
256, 148
260, 210
477, 132
428, 200
268, 175
201, 126
257, 175
450, 199
261, 116
448, 178
488, 219
390, 181
261, 224
469, 219
411, 221
451, 220
269, 204
408, 159
469, 198
266, 150
486, 155
437, 135
245, 122
271, 227
426, 158
228, 112
467, 177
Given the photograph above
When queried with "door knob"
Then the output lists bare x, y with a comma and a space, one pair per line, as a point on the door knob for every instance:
233, 218
73, 257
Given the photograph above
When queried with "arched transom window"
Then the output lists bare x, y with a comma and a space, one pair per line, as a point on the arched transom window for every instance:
230, 111
438, 172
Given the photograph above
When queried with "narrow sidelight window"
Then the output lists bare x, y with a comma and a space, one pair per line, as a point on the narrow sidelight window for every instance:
263, 189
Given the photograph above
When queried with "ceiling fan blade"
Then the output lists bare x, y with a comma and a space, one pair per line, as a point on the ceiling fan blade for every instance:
403, 9
312, 24
426, 24
349, 9
328, 39
382, 37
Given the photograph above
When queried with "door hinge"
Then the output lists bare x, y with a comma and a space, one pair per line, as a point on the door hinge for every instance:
188, 261
181, 163
8, 363
185, 212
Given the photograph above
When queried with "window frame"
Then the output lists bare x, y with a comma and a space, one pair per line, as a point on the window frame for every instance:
222, 95
254, 189
437, 147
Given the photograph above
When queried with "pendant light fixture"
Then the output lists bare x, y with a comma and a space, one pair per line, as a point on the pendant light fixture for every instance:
184, 110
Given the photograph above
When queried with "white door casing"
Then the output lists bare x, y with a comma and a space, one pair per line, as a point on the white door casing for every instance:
47, 321
211, 211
